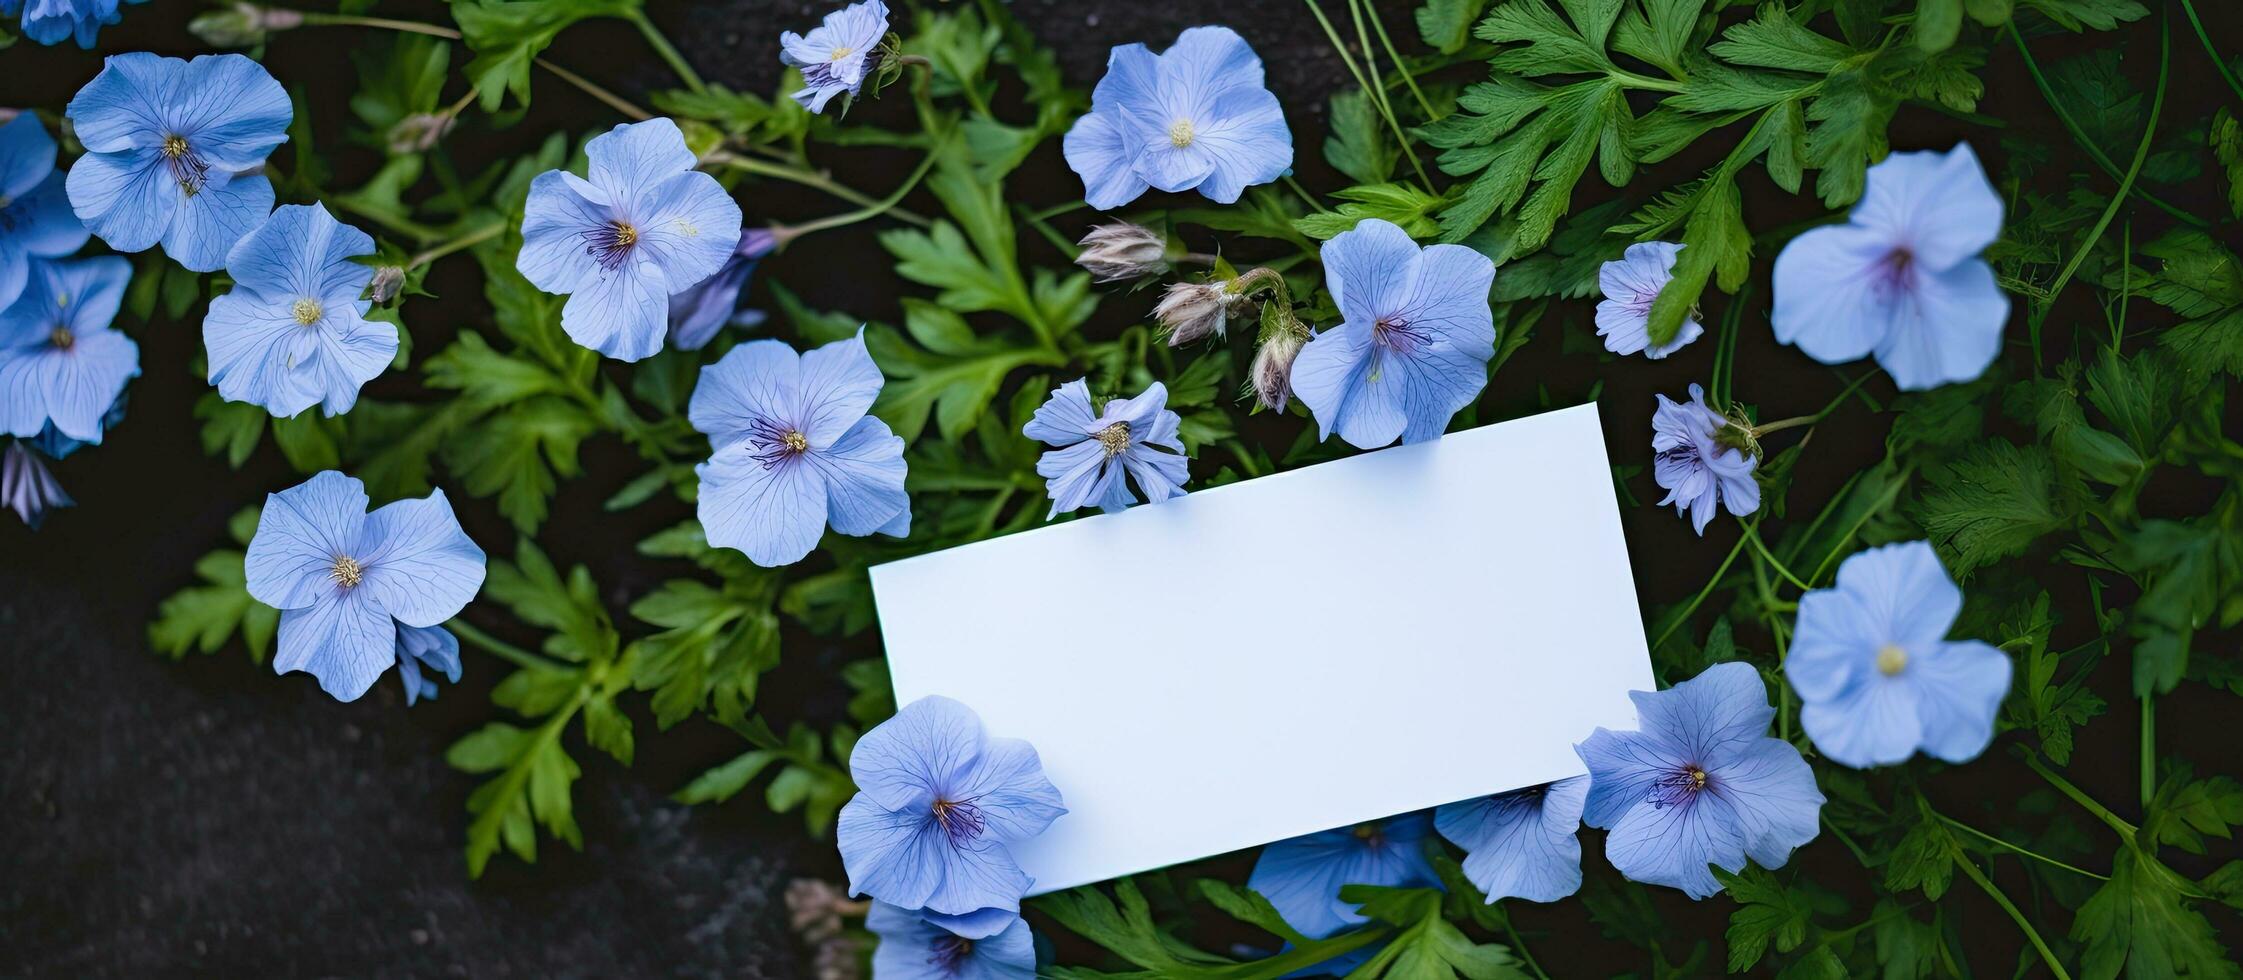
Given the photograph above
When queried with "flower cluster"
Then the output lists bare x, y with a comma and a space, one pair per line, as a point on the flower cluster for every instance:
54, 21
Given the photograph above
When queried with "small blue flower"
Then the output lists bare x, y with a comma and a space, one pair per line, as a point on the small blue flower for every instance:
344, 579
1876, 675
938, 802
293, 331
915, 947
699, 312
51, 443
793, 450
35, 218
1414, 344
62, 368
1096, 448
175, 153
1302, 877
52, 21
431, 646
1196, 115
1701, 783
644, 227
26, 486
1902, 278
838, 54
1697, 470
1520, 844
1630, 284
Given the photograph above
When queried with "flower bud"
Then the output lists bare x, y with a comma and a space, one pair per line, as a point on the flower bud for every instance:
1123, 251
814, 908
419, 132
1194, 311
242, 25
1271, 374
387, 280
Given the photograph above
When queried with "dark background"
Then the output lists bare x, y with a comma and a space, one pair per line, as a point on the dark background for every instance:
208, 817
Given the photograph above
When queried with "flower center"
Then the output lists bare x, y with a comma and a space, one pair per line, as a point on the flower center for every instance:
346, 571
62, 338
610, 245
1891, 659
1369, 834
776, 443
1396, 335
187, 168
1180, 133
1115, 438
961, 821
306, 311
949, 953
842, 52
1678, 787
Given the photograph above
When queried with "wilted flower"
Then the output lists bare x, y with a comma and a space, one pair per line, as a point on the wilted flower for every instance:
1697, 469
26, 486
814, 908
62, 368
387, 281
1876, 675
644, 227
1902, 278
1194, 311
1118, 251
51, 21
431, 646
35, 218
837, 54
1630, 285
1271, 372
344, 579
243, 25
419, 132
1520, 844
914, 948
293, 331
1302, 877
699, 312
1414, 347
1097, 448
175, 153
1700, 784
1195, 115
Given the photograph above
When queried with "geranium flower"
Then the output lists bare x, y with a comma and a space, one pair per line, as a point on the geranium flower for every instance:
51, 21
1302, 877
431, 646
794, 450
1194, 116
344, 579
1098, 448
1520, 844
644, 227
62, 368
175, 153
35, 218
1697, 470
1877, 676
938, 802
701, 310
293, 332
27, 487
1630, 284
1414, 345
838, 54
1902, 278
1700, 784
913, 947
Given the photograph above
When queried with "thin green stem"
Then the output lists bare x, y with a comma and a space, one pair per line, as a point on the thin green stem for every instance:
2086, 802
2149, 751
667, 51
1891, 493
1633, 80
471, 239
876, 208
1753, 533
612, 100
1725, 349
1378, 93
1511, 932
1377, 97
2047, 955
1378, 25
1302, 192
813, 179
316, 19
2035, 855
1692, 605
2133, 170
2079, 136
2189, 7
500, 648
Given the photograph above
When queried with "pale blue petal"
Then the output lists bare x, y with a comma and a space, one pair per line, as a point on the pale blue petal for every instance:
1210, 61
84, 381
417, 561
352, 351
977, 875
431, 645
895, 856
122, 108
1066, 417
1961, 687
1139, 412
773, 514
230, 109
1368, 269
1006, 781
1939, 205
839, 383
1836, 645
1102, 149
1111, 492
1521, 844
302, 251
127, 198
1830, 293
1160, 161
1772, 793
92, 291
207, 224
1247, 140
688, 225
1131, 79
1905, 590
343, 638
560, 211
761, 379
27, 155
1672, 845
1326, 372
977, 924
1302, 877
1624, 767
44, 224
1160, 475
1072, 476
919, 945
634, 157
300, 533
1726, 704
259, 354
864, 474
623, 313
927, 747
1873, 723
1950, 331
1630, 284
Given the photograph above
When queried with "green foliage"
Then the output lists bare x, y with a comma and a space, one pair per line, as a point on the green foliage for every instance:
204, 617
508, 35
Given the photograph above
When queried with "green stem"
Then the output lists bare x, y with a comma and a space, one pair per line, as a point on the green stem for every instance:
2086, 802
1692, 606
1891, 494
1408, 79
1377, 96
1378, 92
2079, 136
473, 238
500, 648
876, 208
1753, 534
2141, 154
812, 179
1302, 192
1633, 80
1511, 932
2035, 855
2149, 749
666, 50
614, 101
2047, 955
2189, 7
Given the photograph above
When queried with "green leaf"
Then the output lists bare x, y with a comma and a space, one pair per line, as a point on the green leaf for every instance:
1426, 946
716, 646
1924, 858
1446, 25
1938, 22
1358, 145
2185, 810
1767, 914
943, 369
531, 789
1402, 204
508, 35
2226, 138
533, 589
1773, 40
203, 617
231, 429
2100, 15
2139, 923
1994, 502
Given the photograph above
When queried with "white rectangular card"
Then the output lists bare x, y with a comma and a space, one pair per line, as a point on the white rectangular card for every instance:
1302, 651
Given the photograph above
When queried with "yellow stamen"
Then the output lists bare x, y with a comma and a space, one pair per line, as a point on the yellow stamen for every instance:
175, 145
62, 337
842, 52
346, 571
1115, 438
1891, 659
797, 442
307, 311
1180, 133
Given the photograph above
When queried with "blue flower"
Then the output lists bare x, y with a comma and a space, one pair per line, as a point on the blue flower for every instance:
175, 152
1902, 278
51, 21
1096, 448
1630, 284
1876, 675
51, 443
1701, 783
61, 365
1195, 115
700, 311
26, 486
1302, 877
645, 226
839, 53
1696, 468
1520, 844
938, 801
1414, 343
914, 947
344, 579
293, 332
793, 450
35, 218
432, 646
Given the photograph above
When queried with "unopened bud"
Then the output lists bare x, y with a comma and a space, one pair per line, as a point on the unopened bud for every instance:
814, 908
242, 25
388, 280
419, 132
1123, 251
1271, 374
1195, 311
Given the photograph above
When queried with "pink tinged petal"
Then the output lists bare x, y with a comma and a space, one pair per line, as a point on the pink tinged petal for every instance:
1947, 330
208, 223
352, 351
1007, 784
258, 352
343, 638
122, 108
1940, 205
921, 754
1831, 298
560, 211
773, 514
634, 157
839, 383
1065, 418
760, 379
27, 155
300, 533
127, 198
863, 474
1905, 594
1369, 270
1772, 793
1960, 687
688, 225
893, 855
417, 561
1073, 476
1101, 150
1874, 723
621, 314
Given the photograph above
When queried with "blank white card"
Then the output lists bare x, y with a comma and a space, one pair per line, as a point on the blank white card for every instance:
1302, 651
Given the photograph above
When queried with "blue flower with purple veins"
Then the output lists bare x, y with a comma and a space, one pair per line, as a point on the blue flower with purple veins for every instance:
62, 367
938, 802
1520, 844
26, 486
794, 451
644, 227
698, 313
1630, 284
838, 54
1700, 783
35, 218
293, 331
914, 947
1876, 675
1902, 278
1098, 448
433, 647
1697, 469
1302, 877
53, 21
175, 153
344, 579
1413, 348
1194, 116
